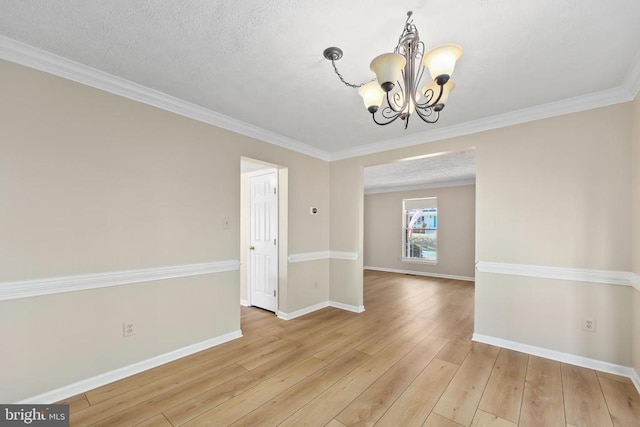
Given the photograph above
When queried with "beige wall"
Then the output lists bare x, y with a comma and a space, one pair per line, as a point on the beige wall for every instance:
636, 230
347, 210
556, 192
91, 182
456, 230
553, 192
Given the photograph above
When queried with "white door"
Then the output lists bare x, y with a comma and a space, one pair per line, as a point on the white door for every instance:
263, 243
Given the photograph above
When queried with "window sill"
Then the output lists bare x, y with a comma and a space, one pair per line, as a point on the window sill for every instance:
420, 261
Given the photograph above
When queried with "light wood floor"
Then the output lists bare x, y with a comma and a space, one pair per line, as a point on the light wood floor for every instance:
407, 361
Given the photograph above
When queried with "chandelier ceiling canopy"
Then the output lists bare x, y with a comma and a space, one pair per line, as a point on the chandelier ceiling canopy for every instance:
397, 90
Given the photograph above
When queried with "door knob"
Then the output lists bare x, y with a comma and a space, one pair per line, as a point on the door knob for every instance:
251, 248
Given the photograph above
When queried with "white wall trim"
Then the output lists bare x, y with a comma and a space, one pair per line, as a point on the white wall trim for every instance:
32, 57
288, 316
634, 280
244, 303
632, 80
81, 282
610, 277
572, 359
347, 307
126, 371
349, 256
313, 256
309, 256
421, 273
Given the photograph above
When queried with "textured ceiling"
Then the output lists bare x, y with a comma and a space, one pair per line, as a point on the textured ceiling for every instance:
260, 61
430, 171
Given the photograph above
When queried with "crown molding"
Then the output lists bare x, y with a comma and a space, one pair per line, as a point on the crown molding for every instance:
425, 186
565, 106
632, 80
81, 282
32, 57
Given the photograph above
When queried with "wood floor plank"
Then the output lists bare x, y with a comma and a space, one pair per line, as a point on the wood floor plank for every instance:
583, 398
455, 351
335, 423
183, 410
542, 401
234, 409
285, 404
503, 394
414, 405
435, 420
157, 421
222, 355
485, 419
190, 379
76, 403
330, 402
614, 377
461, 397
622, 400
268, 353
369, 406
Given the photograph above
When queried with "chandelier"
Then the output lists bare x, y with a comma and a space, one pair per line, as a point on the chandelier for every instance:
398, 77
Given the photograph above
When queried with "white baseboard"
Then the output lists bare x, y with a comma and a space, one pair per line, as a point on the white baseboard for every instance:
126, 371
421, 273
585, 362
244, 303
288, 316
348, 307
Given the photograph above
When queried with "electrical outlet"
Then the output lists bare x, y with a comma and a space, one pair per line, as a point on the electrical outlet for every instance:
589, 324
128, 329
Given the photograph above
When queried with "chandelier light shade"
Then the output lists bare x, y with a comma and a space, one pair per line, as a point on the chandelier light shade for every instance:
388, 68
372, 95
395, 91
442, 60
447, 88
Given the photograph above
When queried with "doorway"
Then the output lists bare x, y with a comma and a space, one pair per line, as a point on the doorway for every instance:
262, 259
263, 225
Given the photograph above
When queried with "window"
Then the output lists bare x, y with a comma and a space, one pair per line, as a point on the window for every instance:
420, 230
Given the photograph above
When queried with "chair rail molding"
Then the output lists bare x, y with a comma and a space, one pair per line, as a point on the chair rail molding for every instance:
80, 282
313, 256
609, 277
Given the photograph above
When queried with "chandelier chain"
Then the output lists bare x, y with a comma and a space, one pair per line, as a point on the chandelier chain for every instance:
333, 62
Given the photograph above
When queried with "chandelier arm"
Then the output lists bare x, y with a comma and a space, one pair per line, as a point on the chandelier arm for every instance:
429, 104
425, 117
395, 117
333, 62
394, 105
